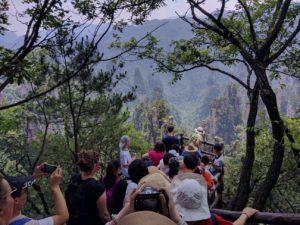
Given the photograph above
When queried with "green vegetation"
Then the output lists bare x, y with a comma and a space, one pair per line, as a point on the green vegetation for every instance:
65, 90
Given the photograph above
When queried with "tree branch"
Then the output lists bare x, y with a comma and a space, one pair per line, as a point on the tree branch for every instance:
285, 45
252, 31
274, 33
222, 31
222, 10
201, 65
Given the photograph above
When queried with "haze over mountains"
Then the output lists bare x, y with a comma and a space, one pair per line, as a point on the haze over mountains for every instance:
192, 96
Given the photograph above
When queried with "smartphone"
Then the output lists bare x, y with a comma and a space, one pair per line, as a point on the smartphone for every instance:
48, 168
149, 202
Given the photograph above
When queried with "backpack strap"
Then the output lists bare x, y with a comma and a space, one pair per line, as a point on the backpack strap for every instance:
21, 221
214, 219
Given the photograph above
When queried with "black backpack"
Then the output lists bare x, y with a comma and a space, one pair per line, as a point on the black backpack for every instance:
76, 200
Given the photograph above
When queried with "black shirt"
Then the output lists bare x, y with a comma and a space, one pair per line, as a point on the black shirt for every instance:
118, 197
169, 141
92, 189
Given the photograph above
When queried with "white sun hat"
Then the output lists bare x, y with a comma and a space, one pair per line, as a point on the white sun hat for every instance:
190, 196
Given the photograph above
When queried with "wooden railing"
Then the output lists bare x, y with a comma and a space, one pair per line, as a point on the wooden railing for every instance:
262, 217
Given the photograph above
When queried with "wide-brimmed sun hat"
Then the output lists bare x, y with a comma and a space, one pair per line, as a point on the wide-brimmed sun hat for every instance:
145, 218
199, 130
190, 148
157, 180
190, 196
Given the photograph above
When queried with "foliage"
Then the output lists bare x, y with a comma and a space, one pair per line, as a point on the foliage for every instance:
285, 195
259, 35
50, 18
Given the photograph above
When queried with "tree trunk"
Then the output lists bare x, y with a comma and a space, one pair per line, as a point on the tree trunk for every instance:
269, 99
239, 201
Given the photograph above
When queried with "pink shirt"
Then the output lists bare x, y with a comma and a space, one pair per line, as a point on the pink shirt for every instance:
155, 157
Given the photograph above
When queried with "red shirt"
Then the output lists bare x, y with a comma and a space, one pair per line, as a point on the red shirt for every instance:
155, 157
208, 221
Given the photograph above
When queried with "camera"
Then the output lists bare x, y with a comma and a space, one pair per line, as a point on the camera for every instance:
48, 168
149, 200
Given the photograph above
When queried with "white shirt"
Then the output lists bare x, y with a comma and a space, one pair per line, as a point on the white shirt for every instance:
45, 221
125, 158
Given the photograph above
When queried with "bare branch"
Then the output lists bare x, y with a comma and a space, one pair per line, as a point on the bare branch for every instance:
132, 47
41, 151
204, 66
222, 10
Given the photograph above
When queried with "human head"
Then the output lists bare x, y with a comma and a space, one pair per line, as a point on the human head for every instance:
170, 128
167, 157
199, 130
190, 196
196, 140
20, 184
173, 167
88, 160
137, 170
6, 201
152, 184
112, 172
175, 147
205, 160
124, 142
160, 147
218, 149
191, 161
171, 120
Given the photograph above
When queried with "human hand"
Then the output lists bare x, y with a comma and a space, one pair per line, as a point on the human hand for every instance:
55, 177
38, 172
168, 194
129, 204
249, 212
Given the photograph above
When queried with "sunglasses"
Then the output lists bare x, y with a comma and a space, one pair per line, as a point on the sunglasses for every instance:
13, 190
10, 193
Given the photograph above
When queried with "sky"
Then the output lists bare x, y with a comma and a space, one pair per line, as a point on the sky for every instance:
179, 6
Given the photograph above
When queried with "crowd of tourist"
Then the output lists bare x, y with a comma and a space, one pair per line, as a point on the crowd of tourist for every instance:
164, 186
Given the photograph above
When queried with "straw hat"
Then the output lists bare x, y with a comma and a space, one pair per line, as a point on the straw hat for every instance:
156, 180
191, 148
145, 218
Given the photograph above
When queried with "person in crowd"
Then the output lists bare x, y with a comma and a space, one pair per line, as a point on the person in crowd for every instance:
216, 167
170, 139
175, 150
191, 164
128, 215
137, 170
200, 131
174, 165
164, 163
188, 197
191, 149
204, 166
115, 186
156, 154
6, 201
85, 196
125, 156
169, 122
20, 186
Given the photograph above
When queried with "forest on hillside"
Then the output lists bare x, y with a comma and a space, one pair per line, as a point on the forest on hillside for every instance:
68, 85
